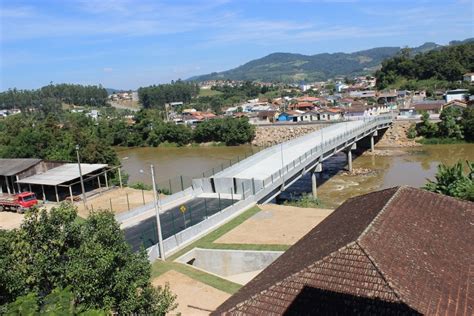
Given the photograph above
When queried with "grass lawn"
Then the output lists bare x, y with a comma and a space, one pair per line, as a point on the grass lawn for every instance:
160, 267
208, 93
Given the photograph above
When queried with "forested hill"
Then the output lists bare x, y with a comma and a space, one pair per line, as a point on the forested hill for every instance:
441, 68
287, 67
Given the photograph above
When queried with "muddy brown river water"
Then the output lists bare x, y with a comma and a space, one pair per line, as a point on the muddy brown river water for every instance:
411, 167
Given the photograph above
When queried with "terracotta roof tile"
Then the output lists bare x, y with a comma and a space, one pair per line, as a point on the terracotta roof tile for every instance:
396, 251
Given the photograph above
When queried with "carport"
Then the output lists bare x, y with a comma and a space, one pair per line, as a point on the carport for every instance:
67, 175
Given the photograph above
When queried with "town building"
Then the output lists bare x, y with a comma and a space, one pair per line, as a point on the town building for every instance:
398, 251
290, 116
468, 77
430, 106
457, 94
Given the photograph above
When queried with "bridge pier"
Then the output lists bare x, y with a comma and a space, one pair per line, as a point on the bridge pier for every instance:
372, 141
349, 156
318, 168
349, 160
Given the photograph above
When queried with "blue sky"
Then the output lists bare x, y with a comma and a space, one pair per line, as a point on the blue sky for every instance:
129, 43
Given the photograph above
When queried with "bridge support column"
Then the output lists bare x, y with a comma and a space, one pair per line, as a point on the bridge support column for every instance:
349, 160
314, 190
372, 141
349, 156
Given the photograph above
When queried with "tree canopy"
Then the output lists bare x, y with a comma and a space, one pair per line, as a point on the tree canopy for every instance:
231, 131
452, 181
156, 96
54, 138
88, 263
53, 96
447, 64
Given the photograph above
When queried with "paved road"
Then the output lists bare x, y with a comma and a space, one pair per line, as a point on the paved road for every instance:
173, 221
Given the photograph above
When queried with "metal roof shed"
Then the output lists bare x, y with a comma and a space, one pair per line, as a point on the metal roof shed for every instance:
11, 168
62, 174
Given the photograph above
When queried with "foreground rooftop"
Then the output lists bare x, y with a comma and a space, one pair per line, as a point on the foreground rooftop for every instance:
396, 251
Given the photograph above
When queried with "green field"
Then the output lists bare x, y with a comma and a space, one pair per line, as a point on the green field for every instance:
208, 93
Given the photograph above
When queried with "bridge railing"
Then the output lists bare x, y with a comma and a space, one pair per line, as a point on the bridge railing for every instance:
320, 149
246, 187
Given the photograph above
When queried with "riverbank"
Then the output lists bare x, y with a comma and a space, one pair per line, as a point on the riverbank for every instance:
396, 136
271, 135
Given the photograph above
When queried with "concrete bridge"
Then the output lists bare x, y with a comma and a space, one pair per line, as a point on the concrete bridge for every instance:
270, 171
256, 179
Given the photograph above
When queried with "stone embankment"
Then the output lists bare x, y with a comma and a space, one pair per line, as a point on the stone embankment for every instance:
271, 135
396, 136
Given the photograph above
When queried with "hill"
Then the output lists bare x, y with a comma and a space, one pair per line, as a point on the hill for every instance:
288, 67
438, 68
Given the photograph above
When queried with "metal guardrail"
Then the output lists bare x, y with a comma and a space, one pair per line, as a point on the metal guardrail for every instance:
349, 135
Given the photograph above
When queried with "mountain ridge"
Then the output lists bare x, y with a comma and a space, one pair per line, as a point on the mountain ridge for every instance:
294, 67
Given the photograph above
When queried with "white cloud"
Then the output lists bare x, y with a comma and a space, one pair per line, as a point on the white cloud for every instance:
107, 69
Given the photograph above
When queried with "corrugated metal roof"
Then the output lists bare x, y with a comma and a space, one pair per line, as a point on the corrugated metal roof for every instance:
62, 174
11, 167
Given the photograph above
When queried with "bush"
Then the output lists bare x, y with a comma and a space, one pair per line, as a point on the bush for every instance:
141, 186
411, 133
306, 200
231, 131
451, 180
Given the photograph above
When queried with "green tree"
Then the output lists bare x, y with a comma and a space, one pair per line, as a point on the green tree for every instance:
231, 131
467, 123
53, 250
426, 128
449, 127
452, 181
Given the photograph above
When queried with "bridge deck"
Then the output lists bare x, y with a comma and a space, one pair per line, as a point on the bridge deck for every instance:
260, 167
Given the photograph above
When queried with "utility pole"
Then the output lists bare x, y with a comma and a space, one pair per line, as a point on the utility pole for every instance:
157, 210
84, 199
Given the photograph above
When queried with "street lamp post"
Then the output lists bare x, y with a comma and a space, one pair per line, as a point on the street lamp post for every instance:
84, 199
157, 210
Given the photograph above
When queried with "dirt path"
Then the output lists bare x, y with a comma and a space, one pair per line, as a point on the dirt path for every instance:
10, 220
276, 224
118, 198
194, 297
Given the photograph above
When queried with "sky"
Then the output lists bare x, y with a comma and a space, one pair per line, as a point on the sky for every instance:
125, 44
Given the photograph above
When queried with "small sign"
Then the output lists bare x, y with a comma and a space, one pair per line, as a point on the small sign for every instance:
182, 208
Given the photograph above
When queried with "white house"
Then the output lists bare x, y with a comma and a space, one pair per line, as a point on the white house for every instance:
329, 115
469, 77
341, 86
458, 94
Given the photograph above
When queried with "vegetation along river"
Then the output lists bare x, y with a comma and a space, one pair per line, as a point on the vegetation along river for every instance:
412, 166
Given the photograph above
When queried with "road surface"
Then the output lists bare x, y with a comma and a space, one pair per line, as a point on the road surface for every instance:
173, 221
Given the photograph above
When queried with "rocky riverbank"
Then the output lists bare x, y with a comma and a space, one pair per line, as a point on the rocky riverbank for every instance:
396, 136
272, 135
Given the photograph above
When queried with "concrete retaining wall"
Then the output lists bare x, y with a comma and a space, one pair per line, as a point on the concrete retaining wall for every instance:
229, 262
192, 233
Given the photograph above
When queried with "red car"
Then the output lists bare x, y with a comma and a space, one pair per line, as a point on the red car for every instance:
17, 202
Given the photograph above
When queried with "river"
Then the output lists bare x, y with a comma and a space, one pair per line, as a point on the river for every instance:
411, 167
175, 163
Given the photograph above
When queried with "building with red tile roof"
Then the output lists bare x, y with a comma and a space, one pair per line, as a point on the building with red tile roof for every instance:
393, 252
